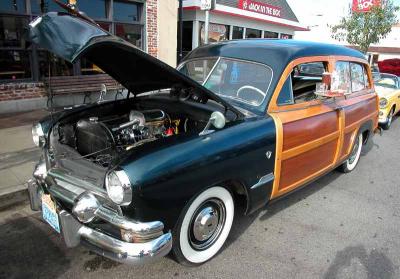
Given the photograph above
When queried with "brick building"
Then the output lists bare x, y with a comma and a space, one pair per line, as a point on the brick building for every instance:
148, 24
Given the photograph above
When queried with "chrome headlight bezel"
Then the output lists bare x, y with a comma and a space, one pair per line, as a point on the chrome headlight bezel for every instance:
383, 102
121, 192
38, 135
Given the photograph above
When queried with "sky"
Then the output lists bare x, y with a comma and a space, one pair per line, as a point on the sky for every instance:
317, 14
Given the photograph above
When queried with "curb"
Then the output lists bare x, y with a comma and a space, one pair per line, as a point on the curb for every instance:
10, 198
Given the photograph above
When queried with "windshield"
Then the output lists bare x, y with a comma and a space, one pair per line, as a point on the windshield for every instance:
242, 81
388, 82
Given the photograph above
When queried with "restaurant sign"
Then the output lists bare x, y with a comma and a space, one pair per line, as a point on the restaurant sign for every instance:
362, 6
258, 7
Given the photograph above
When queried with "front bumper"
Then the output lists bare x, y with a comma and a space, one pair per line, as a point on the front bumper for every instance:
147, 241
383, 116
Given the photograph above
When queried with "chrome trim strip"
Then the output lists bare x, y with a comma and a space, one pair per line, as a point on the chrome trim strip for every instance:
263, 180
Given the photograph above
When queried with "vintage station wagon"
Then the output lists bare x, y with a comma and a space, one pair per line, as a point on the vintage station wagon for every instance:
162, 170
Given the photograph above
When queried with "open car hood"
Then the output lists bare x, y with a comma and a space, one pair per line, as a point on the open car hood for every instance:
70, 38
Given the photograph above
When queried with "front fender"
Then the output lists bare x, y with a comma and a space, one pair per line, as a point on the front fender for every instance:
166, 176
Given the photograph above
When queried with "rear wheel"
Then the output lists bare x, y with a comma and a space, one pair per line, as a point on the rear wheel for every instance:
387, 125
203, 228
351, 163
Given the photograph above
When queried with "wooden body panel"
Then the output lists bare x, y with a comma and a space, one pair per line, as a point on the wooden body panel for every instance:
315, 137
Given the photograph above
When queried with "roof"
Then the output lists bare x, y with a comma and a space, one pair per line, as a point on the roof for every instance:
273, 52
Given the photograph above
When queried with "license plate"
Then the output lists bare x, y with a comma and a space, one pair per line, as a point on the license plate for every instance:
50, 213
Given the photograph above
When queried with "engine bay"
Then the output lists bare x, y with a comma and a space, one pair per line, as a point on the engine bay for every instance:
101, 139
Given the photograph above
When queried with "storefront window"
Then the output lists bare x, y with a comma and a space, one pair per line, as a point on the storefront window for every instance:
129, 32
49, 63
253, 33
126, 11
216, 33
286, 36
14, 64
93, 8
237, 32
49, 6
269, 34
13, 6
187, 36
11, 31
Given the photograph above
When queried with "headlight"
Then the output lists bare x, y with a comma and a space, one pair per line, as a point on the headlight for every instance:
119, 187
38, 135
383, 102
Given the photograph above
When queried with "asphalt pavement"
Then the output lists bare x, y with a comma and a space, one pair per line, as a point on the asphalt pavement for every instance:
341, 226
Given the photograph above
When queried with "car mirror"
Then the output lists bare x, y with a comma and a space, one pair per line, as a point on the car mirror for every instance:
217, 119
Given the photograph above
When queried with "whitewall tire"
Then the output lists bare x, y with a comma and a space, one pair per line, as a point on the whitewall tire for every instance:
204, 226
351, 163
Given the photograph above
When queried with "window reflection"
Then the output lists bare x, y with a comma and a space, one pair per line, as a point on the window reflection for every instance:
253, 33
11, 31
88, 68
126, 11
269, 34
14, 64
13, 6
49, 63
216, 33
129, 32
49, 6
93, 8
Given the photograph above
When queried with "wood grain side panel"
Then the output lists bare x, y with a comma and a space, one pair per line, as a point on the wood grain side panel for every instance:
309, 129
346, 144
306, 164
359, 110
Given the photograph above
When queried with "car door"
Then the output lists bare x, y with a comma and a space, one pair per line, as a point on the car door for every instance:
359, 105
308, 129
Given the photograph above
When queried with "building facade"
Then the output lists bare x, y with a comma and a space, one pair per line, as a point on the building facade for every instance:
238, 19
148, 24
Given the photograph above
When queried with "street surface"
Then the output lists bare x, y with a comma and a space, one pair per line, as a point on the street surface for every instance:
341, 226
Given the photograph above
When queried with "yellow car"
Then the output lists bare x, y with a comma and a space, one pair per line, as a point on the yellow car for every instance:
388, 89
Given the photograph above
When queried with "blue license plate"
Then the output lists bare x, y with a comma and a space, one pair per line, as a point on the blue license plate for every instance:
50, 213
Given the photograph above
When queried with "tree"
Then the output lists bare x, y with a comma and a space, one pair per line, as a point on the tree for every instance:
365, 28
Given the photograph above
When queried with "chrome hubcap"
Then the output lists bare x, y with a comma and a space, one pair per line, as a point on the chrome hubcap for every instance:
206, 224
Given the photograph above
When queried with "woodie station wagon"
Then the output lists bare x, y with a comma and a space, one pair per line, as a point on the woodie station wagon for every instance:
162, 170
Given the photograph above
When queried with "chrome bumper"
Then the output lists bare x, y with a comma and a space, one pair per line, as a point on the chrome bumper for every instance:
146, 240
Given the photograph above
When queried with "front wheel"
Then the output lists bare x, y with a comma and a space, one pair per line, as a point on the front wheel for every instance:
351, 163
387, 125
202, 229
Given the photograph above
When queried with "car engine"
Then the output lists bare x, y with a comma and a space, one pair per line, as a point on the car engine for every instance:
101, 139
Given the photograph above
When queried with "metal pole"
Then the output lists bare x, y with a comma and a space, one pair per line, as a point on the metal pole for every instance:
180, 31
206, 25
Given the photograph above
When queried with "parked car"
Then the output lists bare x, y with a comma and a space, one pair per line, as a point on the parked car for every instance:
388, 89
163, 169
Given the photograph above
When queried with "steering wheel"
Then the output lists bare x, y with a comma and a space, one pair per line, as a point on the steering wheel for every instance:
255, 89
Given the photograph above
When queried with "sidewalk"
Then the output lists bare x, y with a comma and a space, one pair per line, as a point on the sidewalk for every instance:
18, 155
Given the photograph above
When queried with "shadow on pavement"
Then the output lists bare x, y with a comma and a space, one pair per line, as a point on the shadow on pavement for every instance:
376, 264
27, 251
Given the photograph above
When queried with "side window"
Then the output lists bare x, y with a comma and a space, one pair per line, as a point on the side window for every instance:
357, 77
341, 77
286, 95
300, 86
